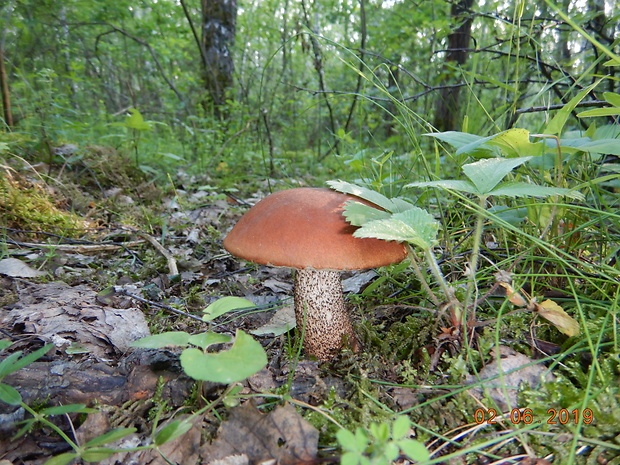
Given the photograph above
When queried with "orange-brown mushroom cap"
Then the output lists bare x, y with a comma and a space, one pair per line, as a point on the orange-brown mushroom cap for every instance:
305, 228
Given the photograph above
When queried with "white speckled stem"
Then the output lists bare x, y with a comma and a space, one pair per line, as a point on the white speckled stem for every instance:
319, 304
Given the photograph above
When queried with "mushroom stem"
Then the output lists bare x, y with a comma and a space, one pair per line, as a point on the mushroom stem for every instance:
320, 309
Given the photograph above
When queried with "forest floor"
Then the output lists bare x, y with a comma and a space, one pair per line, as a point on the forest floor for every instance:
94, 295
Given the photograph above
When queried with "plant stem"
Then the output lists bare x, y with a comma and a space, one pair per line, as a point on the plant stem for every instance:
475, 252
421, 276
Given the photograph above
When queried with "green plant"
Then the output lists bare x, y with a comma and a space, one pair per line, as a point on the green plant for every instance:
243, 359
401, 221
92, 451
380, 444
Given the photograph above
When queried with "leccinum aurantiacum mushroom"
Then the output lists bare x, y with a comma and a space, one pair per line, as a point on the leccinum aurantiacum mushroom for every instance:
304, 229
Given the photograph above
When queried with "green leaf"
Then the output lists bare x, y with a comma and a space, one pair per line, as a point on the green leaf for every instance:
458, 139
599, 112
612, 98
9, 395
11, 363
97, 454
225, 305
522, 189
400, 427
516, 143
4, 343
606, 146
110, 436
167, 339
452, 185
350, 458
488, 173
204, 340
172, 431
391, 205
415, 226
413, 449
347, 441
62, 459
64, 409
390, 451
358, 214
380, 431
136, 121
243, 359
557, 123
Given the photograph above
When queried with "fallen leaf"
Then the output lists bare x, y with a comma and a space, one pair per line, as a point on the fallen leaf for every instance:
552, 312
282, 435
282, 321
18, 269
513, 296
500, 379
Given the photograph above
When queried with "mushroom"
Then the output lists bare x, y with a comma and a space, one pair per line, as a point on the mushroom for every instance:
305, 229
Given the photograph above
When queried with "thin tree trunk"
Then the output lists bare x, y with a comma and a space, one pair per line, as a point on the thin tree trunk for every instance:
446, 113
4, 80
318, 66
219, 23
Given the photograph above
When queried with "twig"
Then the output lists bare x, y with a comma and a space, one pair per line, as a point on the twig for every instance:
172, 263
79, 248
155, 304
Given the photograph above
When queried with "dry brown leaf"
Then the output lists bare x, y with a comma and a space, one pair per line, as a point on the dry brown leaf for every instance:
513, 296
282, 435
72, 316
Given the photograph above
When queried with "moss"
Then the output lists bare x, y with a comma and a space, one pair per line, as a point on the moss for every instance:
26, 205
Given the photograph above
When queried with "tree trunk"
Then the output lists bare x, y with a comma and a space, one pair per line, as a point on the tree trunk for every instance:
219, 21
4, 80
458, 42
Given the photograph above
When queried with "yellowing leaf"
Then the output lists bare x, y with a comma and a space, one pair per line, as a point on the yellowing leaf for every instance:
558, 317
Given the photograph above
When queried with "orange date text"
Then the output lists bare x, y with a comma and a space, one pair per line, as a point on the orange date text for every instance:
526, 416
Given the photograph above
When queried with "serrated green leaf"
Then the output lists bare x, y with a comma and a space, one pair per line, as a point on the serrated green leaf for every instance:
358, 214
172, 431
167, 339
522, 189
110, 436
243, 359
415, 226
413, 449
204, 340
362, 192
400, 427
453, 185
62, 459
9, 395
488, 173
225, 305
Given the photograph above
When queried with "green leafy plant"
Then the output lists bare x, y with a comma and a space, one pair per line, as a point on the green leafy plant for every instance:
380, 444
92, 451
245, 357
404, 222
